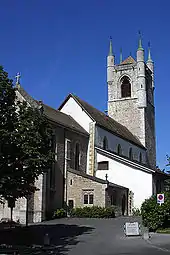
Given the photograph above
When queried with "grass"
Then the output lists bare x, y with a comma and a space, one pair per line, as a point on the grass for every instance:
163, 231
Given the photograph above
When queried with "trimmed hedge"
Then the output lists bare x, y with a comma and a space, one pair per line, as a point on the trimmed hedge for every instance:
156, 216
59, 213
93, 212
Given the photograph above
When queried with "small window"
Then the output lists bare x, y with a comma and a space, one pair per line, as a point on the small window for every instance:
119, 149
86, 199
77, 156
103, 165
91, 199
125, 87
140, 157
68, 149
105, 143
56, 151
70, 204
130, 154
71, 182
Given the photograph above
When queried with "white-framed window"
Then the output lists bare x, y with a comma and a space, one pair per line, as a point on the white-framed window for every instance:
88, 197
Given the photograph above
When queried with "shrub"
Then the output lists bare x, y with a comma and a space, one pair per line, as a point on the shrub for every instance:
59, 213
93, 212
136, 212
156, 216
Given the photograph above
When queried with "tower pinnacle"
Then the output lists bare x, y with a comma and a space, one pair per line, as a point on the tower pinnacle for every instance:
140, 42
110, 47
121, 57
149, 53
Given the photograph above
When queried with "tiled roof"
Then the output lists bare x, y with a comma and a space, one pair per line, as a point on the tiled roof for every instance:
96, 179
63, 119
52, 114
128, 60
105, 121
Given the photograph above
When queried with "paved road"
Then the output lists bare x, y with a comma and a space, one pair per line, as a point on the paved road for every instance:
88, 237
106, 237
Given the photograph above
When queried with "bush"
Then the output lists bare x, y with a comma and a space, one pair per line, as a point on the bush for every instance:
136, 212
156, 216
59, 213
93, 212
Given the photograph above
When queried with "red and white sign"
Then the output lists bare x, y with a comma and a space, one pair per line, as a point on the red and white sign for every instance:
160, 198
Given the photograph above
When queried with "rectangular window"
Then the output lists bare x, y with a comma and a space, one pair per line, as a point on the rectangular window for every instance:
56, 151
86, 199
88, 196
91, 199
103, 165
68, 149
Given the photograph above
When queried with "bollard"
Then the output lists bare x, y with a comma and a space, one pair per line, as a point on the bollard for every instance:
46, 239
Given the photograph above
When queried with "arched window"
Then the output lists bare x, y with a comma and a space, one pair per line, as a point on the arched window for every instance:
140, 157
77, 156
119, 149
130, 153
105, 143
125, 87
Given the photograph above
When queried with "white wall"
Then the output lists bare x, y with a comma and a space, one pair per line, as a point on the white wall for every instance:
113, 142
73, 109
139, 182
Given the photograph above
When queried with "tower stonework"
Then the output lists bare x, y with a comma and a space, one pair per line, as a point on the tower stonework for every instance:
131, 97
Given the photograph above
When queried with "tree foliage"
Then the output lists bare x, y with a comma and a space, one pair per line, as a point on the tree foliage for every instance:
25, 145
155, 216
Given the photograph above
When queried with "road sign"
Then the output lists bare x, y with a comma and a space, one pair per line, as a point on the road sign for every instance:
160, 198
131, 229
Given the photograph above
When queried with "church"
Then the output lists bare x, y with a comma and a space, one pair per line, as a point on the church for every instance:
102, 158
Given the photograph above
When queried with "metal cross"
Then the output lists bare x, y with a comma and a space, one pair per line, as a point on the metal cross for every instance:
106, 176
18, 76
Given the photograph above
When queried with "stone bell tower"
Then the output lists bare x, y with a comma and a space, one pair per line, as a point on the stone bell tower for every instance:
131, 97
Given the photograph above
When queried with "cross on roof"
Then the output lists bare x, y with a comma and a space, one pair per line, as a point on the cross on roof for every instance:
18, 76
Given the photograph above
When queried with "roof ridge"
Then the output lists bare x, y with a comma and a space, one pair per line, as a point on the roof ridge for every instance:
81, 101
128, 60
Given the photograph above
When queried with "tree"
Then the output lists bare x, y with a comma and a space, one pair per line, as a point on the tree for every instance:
26, 144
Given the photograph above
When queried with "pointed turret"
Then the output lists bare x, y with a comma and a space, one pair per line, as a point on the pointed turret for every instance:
149, 53
121, 56
150, 64
141, 74
140, 42
110, 63
110, 48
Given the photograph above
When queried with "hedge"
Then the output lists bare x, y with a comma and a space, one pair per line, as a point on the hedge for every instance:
156, 216
59, 213
93, 212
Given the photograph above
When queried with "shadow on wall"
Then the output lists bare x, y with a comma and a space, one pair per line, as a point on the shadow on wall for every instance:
61, 235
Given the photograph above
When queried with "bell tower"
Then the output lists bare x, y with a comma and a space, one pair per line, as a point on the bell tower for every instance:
131, 96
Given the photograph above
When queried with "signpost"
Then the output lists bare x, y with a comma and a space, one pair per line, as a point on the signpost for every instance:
160, 198
132, 229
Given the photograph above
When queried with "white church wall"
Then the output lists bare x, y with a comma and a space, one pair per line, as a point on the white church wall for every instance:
113, 142
72, 108
137, 181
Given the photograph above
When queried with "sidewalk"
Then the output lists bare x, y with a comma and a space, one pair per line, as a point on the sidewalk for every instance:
161, 241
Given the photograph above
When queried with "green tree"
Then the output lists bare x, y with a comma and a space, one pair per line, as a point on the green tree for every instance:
26, 144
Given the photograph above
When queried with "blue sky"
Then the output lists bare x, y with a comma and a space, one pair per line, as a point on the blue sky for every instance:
60, 46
